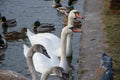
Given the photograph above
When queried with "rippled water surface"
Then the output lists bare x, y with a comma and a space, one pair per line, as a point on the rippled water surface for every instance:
26, 12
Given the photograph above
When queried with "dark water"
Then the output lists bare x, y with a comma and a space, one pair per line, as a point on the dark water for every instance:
26, 12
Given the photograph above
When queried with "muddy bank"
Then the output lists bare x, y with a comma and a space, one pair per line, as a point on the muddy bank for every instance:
92, 40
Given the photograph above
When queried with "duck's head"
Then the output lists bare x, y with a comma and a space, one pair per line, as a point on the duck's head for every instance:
57, 1
71, 7
23, 30
71, 2
37, 23
3, 19
74, 14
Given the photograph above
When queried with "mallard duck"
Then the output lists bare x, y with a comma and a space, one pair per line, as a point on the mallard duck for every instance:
43, 27
66, 9
56, 4
3, 43
15, 35
8, 23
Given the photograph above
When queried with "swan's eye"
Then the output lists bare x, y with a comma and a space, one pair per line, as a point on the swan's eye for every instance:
76, 13
71, 28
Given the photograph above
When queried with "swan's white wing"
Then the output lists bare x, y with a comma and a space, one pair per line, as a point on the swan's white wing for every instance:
52, 47
43, 63
50, 41
53, 40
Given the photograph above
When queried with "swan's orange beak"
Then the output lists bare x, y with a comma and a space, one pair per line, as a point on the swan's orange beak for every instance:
78, 15
76, 30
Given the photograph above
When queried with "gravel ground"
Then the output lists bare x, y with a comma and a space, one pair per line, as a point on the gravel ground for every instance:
92, 41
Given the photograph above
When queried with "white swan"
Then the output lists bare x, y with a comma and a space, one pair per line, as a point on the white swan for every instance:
12, 75
38, 60
53, 43
42, 61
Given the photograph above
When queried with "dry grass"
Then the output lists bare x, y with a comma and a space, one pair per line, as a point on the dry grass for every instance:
112, 28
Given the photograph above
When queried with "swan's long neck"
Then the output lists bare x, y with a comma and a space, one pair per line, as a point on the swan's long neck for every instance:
69, 36
45, 75
70, 21
63, 61
30, 64
69, 45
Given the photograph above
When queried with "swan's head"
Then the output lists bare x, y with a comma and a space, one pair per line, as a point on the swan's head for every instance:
60, 73
39, 48
74, 14
29, 52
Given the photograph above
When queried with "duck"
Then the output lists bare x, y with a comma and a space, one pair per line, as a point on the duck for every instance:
8, 23
13, 75
48, 39
14, 35
37, 59
43, 27
66, 9
3, 43
56, 3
